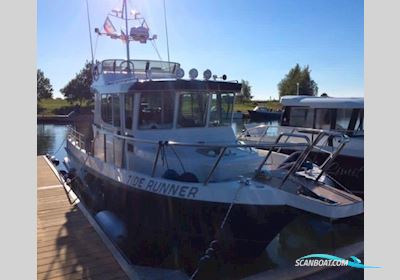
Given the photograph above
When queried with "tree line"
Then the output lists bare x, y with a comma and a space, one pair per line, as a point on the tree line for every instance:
297, 81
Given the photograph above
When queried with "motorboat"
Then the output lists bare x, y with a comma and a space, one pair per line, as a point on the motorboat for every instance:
264, 114
344, 115
164, 161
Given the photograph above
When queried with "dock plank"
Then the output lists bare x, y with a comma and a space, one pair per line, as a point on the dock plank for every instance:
68, 247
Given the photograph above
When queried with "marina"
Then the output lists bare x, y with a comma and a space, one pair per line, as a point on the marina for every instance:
279, 256
159, 177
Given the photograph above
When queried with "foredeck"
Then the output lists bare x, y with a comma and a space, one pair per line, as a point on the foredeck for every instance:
68, 247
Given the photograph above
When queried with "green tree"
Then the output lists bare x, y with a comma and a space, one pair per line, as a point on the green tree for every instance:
307, 86
43, 87
78, 89
246, 91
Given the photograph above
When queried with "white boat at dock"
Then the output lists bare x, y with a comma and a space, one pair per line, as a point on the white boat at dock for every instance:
165, 161
343, 115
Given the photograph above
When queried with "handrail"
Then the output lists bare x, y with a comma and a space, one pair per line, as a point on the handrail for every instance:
276, 144
354, 132
308, 145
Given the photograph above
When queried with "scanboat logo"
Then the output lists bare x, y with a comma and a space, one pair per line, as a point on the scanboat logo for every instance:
330, 260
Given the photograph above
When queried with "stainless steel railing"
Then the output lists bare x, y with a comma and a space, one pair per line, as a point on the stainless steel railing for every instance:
308, 146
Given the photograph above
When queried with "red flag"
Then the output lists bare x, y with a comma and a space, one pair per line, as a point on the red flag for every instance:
123, 37
109, 27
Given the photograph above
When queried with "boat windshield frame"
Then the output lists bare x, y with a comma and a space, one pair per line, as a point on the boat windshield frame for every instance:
119, 66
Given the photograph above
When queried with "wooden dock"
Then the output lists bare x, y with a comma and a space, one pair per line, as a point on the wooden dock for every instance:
68, 246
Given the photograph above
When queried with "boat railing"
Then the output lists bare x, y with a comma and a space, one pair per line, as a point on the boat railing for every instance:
123, 70
77, 137
263, 131
307, 146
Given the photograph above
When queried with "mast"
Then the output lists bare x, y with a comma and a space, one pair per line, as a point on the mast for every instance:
126, 33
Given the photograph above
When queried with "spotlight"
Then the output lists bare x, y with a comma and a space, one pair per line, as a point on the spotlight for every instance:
180, 73
207, 74
193, 73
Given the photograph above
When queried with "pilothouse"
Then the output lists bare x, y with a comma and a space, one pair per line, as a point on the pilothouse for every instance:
165, 161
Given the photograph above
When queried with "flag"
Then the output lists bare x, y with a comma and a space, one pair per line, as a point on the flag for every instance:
109, 27
123, 37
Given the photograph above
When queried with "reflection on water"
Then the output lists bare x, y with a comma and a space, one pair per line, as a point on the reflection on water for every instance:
50, 140
303, 236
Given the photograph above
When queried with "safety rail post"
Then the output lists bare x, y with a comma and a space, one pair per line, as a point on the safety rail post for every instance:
275, 144
160, 144
325, 166
221, 154
287, 138
262, 136
302, 158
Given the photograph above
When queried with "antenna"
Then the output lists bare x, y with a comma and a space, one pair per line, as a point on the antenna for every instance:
127, 32
138, 34
166, 30
90, 32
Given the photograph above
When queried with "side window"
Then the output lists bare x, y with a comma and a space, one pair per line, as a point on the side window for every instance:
301, 117
192, 110
323, 118
156, 110
116, 111
106, 108
128, 110
221, 109
343, 117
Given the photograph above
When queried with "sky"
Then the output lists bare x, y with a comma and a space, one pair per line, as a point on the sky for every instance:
254, 40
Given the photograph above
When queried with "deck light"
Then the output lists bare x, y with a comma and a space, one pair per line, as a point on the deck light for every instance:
207, 74
179, 73
193, 73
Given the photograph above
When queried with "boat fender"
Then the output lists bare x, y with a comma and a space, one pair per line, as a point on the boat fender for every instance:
188, 177
64, 174
170, 174
209, 264
113, 226
66, 163
307, 165
54, 160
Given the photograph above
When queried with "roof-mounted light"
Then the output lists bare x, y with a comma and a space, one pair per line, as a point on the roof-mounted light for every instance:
223, 77
207, 74
193, 73
179, 73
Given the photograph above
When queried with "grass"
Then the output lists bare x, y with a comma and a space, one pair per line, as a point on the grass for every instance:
55, 106
249, 105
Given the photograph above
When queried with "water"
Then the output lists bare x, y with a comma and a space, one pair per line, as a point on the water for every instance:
51, 140
303, 236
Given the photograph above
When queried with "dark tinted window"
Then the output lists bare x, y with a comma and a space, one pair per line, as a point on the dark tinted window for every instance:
192, 109
156, 110
221, 109
129, 98
116, 111
106, 108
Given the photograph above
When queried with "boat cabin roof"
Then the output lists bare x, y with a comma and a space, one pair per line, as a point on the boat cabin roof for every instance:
192, 85
323, 102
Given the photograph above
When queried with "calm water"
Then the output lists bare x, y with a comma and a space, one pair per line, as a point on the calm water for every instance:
303, 236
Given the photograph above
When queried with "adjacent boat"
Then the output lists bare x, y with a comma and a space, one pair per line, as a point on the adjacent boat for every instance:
164, 161
345, 115
263, 114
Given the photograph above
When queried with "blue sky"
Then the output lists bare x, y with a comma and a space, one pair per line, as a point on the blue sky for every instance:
258, 41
